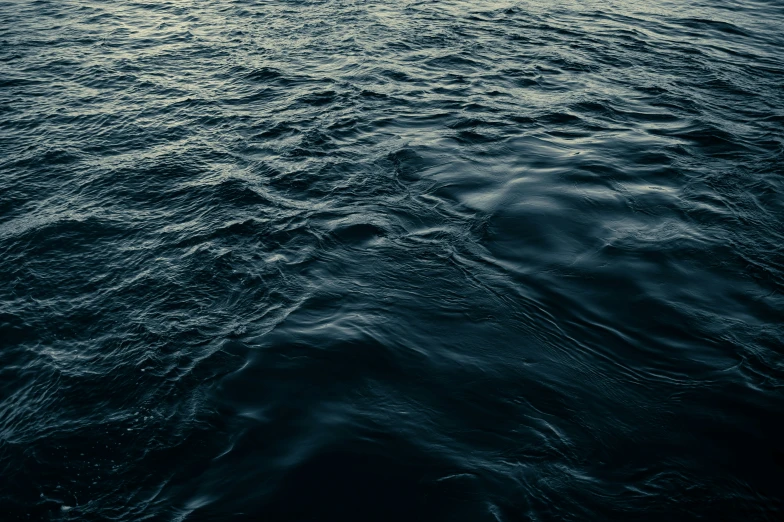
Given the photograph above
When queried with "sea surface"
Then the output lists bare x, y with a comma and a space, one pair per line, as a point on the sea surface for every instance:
356, 261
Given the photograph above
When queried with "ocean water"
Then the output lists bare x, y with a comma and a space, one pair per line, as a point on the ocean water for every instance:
317, 261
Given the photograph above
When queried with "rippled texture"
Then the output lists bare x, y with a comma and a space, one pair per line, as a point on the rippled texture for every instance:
353, 261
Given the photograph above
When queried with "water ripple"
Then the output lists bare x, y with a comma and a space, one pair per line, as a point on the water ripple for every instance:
426, 260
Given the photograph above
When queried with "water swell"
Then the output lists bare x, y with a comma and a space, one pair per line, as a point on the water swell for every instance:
417, 260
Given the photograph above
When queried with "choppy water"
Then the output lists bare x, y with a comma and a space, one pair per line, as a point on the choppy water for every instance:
354, 261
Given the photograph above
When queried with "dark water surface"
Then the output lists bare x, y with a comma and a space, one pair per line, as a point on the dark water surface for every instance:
354, 261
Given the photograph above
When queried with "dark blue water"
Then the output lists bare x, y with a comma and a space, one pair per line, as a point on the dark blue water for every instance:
404, 261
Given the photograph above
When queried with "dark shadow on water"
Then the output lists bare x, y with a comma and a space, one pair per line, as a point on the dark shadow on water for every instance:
359, 484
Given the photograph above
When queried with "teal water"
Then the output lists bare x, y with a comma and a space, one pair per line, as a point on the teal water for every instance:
352, 261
